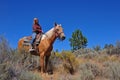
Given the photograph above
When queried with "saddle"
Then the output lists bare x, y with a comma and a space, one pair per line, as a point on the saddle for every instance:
27, 40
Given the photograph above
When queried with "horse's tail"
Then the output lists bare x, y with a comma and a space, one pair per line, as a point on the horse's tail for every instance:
20, 44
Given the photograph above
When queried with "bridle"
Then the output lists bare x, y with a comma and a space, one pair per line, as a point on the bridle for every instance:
56, 33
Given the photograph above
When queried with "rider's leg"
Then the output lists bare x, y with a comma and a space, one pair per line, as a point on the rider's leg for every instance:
32, 41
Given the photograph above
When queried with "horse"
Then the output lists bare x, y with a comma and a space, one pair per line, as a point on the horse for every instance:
45, 46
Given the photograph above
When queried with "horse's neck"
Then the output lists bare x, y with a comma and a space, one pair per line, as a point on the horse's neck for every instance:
51, 35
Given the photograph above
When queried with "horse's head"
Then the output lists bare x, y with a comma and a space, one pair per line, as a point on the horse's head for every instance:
59, 31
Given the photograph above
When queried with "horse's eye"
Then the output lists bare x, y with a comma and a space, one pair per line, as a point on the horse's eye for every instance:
57, 29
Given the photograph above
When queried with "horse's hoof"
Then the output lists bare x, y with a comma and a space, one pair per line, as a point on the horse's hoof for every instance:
50, 72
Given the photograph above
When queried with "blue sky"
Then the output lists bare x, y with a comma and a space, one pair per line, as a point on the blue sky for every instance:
99, 20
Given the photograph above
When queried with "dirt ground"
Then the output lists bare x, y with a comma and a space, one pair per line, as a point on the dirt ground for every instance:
58, 76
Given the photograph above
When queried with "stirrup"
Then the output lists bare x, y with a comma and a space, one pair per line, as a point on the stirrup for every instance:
30, 50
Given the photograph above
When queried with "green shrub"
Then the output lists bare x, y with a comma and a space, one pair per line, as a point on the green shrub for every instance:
27, 75
90, 55
112, 70
86, 75
70, 62
89, 71
102, 58
13, 64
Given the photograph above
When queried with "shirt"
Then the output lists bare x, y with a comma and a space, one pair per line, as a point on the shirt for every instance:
37, 28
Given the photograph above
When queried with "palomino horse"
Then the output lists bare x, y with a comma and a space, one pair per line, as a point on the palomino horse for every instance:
46, 44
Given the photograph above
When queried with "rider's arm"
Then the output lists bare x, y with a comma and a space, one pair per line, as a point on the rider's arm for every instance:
37, 28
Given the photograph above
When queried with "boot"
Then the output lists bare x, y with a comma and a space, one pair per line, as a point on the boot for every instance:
32, 48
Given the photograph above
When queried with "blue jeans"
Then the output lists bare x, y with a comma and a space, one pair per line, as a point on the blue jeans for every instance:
33, 37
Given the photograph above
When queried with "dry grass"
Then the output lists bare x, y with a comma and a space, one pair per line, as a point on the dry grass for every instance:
85, 64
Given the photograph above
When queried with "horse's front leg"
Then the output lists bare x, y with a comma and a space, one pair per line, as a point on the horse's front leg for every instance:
42, 63
46, 63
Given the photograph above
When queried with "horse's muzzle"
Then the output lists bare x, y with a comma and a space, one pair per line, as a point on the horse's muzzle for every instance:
63, 37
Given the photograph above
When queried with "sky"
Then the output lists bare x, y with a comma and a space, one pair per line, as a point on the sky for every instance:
99, 20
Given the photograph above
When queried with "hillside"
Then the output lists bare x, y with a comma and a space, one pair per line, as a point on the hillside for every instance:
83, 64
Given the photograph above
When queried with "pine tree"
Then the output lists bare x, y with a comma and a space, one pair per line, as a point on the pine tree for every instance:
78, 40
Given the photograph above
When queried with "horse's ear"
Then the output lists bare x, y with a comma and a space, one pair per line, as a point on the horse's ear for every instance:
60, 25
55, 24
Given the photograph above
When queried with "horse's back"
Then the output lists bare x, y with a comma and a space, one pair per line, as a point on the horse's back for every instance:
24, 43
